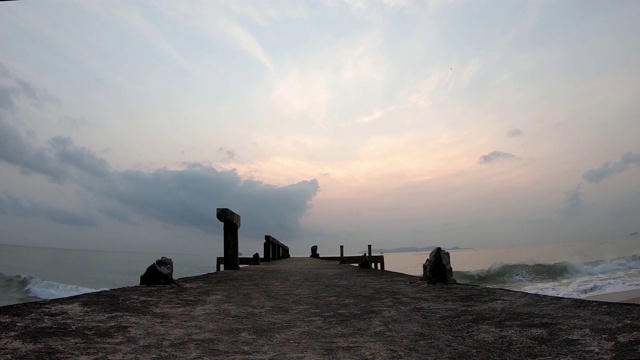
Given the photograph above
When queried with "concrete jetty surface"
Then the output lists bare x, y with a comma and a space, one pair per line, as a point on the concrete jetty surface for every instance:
306, 308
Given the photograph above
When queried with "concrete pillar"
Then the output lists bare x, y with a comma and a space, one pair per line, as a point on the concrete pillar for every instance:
274, 251
341, 251
369, 249
231, 225
267, 248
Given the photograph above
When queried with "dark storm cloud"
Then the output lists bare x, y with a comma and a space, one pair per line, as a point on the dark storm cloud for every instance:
190, 196
186, 197
12, 205
607, 169
55, 161
573, 205
514, 132
16, 150
495, 156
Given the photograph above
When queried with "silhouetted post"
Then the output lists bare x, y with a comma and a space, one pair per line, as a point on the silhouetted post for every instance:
231, 223
369, 249
314, 252
274, 251
267, 247
341, 251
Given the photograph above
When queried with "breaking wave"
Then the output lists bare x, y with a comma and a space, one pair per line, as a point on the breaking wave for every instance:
500, 274
23, 288
561, 279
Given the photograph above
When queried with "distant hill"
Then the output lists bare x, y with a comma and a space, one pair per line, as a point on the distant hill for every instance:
411, 249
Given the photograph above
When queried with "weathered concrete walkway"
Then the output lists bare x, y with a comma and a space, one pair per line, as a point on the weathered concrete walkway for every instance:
315, 309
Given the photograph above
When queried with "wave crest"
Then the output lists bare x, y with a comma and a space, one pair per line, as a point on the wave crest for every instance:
29, 288
508, 274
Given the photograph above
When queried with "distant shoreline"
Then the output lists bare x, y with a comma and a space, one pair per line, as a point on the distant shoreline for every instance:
415, 249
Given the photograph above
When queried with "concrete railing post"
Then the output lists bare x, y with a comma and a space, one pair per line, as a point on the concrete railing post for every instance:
231, 223
369, 249
341, 251
267, 248
274, 251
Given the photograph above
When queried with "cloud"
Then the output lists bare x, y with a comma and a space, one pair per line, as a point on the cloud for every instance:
80, 158
12, 205
189, 197
244, 40
496, 156
14, 149
14, 87
69, 217
230, 153
607, 169
55, 161
573, 205
184, 197
118, 215
515, 132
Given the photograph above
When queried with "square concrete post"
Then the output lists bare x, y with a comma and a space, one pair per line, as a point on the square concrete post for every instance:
267, 248
341, 251
274, 251
231, 225
369, 249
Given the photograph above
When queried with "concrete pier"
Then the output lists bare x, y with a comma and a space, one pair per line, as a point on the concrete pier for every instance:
304, 308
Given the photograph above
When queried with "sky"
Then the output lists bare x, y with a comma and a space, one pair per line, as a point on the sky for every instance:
125, 124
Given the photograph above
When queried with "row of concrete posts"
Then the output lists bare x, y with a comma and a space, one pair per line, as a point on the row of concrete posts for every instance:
366, 260
273, 249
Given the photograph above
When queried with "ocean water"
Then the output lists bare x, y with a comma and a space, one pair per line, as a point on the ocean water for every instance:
37, 273
574, 270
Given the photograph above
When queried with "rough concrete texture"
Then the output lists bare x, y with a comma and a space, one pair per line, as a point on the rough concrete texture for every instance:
315, 309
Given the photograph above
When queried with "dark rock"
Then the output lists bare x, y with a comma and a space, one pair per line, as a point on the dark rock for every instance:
159, 273
256, 259
314, 252
364, 262
437, 268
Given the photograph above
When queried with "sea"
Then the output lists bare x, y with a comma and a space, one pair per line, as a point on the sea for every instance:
573, 269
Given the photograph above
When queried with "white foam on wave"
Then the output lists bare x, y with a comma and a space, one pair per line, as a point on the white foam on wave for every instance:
43, 289
611, 266
588, 285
